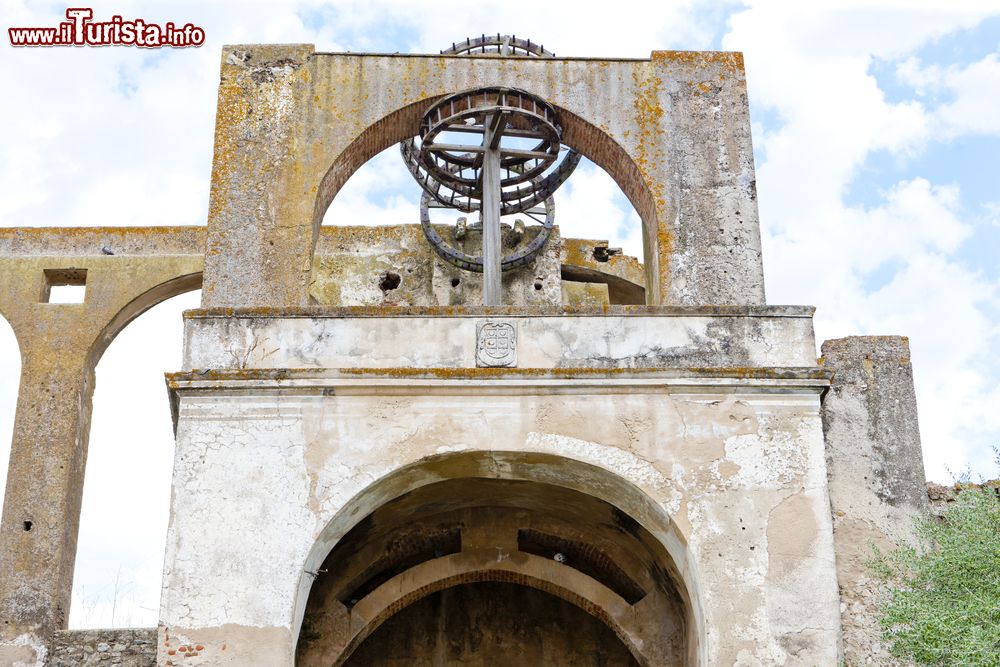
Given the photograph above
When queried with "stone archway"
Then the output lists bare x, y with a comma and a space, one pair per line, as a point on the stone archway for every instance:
583, 136
60, 347
566, 545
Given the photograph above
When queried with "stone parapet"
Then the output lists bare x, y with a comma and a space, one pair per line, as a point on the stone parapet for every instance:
623, 338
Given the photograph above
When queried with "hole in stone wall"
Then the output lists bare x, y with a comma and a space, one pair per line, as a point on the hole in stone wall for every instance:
64, 286
27, 525
67, 294
389, 281
583, 557
603, 253
455, 282
117, 576
538, 284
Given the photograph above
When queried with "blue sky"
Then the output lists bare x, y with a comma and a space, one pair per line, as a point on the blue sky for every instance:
877, 143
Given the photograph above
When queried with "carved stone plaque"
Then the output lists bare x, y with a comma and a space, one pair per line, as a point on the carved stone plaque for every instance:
496, 345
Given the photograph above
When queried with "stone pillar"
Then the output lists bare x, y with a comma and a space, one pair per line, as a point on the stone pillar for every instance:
260, 232
42, 504
876, 472
709, 249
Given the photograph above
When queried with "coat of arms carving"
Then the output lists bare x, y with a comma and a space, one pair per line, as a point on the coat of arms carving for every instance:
496, 345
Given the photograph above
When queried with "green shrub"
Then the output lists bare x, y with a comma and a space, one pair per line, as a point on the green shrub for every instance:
941, 603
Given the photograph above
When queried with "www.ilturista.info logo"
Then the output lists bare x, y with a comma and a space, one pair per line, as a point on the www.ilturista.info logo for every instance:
81, 30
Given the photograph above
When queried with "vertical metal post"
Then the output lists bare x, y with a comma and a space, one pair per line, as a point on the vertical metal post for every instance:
490, 211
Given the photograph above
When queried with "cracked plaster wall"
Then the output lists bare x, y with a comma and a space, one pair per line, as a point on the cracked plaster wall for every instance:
741, 472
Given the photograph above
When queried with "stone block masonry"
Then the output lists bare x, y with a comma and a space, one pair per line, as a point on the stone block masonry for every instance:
126, 647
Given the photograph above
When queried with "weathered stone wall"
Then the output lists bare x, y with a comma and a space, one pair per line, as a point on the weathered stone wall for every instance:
590, 261
127, 647
732, 455
673, 131
396, 266
125, 271
622, 337
876, 472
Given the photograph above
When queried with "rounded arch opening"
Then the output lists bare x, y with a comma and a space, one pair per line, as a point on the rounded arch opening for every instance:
126, 495
606, 200
476, 515
10, 374
165, 291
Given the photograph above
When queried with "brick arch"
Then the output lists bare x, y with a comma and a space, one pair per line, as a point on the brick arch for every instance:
579, 134
563, 588
389, 130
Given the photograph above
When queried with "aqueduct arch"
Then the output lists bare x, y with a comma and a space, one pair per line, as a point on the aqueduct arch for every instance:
61, 345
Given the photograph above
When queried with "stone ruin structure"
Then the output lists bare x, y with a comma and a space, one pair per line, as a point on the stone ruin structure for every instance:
611, 462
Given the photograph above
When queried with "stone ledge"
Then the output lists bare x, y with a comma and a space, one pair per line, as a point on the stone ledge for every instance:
498, 311
785, 384
618, 375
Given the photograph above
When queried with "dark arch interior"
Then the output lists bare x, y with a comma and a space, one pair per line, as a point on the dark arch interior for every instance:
458, 525
489, 623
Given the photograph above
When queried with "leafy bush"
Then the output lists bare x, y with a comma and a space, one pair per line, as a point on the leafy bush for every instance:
942, 597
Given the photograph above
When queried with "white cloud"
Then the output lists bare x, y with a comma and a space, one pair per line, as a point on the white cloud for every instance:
972, 92
811, 68
567, 28
381, 192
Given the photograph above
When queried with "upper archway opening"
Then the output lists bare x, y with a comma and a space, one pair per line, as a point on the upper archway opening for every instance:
591, 260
